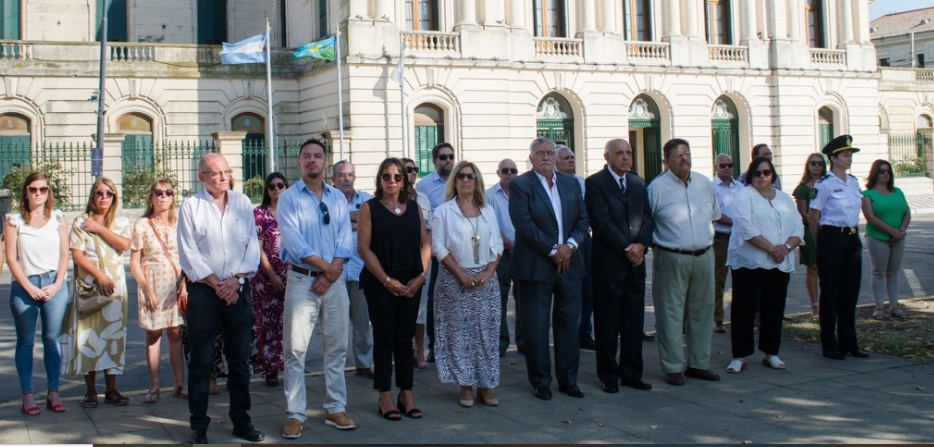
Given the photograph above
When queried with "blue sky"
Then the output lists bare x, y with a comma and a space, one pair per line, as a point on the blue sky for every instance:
880, 8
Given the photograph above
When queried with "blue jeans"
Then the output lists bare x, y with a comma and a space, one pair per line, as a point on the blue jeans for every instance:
25, 313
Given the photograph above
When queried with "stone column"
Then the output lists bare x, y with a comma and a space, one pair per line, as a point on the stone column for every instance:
113, 162
383, 10
796, 11
846, 7
466, 12
588, 16
777, 20
862, 22
358, 8
516, 14
494, 13
673, 19
609, 17
230, 145
690, 12
751, 25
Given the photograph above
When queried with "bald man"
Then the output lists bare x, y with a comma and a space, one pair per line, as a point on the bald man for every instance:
725, 187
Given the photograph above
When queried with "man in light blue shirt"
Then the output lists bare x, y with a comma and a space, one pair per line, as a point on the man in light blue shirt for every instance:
432, 186
314, 220
498, 198
361, 340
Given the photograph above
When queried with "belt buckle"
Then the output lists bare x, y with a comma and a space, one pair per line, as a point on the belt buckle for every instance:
852, 231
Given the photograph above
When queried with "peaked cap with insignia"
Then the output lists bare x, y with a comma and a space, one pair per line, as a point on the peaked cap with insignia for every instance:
839, 144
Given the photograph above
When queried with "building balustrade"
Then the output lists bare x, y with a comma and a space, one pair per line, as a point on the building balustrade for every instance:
431, 41
728, 53
924, 75
15, 50
648, 50
558, 47
129, 52
821, 56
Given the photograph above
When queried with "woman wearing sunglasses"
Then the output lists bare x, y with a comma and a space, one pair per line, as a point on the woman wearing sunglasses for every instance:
268, 285
96, 341
37, 253
766, 228
887, 218
154, 263
814, 169
411, 171
394, 245
467, 242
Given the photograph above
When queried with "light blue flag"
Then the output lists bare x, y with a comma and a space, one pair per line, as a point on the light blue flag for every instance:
247, 51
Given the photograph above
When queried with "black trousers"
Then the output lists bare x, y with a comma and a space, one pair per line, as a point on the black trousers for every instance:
769, 288
587, 291
535, 305
619, 314
505, 283
839, 267
430, 316
207, 316
393, 319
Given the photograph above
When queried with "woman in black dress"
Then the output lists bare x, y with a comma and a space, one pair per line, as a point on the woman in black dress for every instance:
394, 245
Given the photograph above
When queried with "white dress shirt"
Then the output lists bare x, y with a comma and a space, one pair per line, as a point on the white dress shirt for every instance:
839, 202
452, 233
684, 214
725, 196
211, 242
776, 221
497, 198
555, 197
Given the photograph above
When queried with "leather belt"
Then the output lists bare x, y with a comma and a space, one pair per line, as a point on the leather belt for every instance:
842, 230
686, 252
302, 271
719, 235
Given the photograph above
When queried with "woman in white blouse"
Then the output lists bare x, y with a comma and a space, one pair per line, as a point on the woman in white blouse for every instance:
766, 228
37, 252
465, 238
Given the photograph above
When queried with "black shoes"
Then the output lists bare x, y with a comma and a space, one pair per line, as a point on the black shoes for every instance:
834, 355
857, 353
571, 390
637, 384
588, 343
543, 393
248, 433
609, 387
365, 372
198, 437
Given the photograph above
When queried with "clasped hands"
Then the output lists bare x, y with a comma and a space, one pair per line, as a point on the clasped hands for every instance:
406, 290
562, 257
779, 252
323, 281
474, 281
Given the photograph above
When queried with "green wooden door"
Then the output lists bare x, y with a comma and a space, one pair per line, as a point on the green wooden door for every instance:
9, 19
212, 21
826, 134
725, 138
14, 153
116, 20
651, 146
426, 137
136, 151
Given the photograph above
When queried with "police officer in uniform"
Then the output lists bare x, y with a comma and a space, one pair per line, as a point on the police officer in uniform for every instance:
834, 215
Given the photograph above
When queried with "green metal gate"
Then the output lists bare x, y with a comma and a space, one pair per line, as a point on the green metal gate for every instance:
426, 137
651, 145
725, 138
561, 131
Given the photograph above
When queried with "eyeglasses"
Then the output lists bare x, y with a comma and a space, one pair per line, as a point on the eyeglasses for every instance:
392, 177
762, 173
40, 190
726, 165
466, 176
543, 154
885, 171
163, 192
682, 155
816, 163
446, 157
326, 216
275, 186
216, 174
508, 171
411, 169
104, 192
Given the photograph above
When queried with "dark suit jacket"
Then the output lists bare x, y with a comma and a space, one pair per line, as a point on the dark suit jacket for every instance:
617, 221
537, 227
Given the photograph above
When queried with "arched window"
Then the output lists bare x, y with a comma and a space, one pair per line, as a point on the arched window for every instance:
429, 131
254, 144
814, 19
825, 125
137, 145
421, 15
550, 18
637, 20
923, 122
555, 120
645, 136
724, 126
15, 142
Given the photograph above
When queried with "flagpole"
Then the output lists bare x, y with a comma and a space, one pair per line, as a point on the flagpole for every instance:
340, 100
270, 136
405, 148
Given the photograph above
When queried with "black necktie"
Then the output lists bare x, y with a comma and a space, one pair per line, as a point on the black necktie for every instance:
622, 186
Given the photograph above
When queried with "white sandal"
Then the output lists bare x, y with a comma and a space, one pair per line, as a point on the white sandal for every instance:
772, 361
736, 366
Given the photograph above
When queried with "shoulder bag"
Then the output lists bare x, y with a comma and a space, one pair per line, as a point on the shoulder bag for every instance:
88, 297
180, 297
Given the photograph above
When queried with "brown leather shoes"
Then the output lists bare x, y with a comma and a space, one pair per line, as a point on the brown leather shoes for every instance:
676, 379
703, 374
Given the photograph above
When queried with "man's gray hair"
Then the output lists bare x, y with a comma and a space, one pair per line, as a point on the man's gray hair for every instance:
560, 149
540, 141
609, 144
337, 166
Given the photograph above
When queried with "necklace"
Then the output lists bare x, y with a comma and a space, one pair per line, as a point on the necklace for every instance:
475, 240
395, 206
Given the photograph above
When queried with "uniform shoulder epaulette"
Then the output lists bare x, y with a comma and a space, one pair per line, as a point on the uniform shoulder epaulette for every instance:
824, 177
854, 177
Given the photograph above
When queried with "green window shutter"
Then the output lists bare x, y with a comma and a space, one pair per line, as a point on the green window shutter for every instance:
212, 22
9, 22
426, 137
14, 153
826, 134
136, 151
653, 153
116, 20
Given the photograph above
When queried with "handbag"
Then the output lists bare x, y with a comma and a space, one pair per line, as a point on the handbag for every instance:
180, 299
88, 296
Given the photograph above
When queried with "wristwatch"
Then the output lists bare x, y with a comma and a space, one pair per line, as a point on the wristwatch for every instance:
788, 246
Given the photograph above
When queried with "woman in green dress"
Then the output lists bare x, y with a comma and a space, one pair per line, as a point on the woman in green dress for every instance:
96, 341
814, 169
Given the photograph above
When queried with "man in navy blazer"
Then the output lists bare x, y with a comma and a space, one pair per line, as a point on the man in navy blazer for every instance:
622, 229
547, 210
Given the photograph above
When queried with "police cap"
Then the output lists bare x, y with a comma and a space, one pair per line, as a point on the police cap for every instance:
841, 143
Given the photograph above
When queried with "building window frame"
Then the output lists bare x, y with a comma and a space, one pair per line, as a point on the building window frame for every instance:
550, 18
637, 20
718, 17
814, 23
421, 15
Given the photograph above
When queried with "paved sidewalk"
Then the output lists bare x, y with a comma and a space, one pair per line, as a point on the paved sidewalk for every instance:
816, 400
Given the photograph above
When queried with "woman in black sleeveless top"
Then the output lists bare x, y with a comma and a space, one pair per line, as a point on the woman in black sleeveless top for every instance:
394, 245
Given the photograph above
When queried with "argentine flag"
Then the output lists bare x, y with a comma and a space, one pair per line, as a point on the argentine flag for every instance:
247, 51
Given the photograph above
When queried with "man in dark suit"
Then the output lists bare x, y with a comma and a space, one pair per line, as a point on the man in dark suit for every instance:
622, 229
547, 210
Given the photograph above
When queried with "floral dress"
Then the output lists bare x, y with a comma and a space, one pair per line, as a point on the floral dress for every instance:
268, 305
96, 341
159, 273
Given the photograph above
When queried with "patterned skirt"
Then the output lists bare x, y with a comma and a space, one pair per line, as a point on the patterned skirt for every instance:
467, 330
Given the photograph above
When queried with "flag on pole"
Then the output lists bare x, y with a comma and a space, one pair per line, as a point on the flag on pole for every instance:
322, 49
397, 72
247, 51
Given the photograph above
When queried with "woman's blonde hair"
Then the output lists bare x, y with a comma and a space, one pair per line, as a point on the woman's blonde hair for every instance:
111, 213
450, 189
151, 209
24, 196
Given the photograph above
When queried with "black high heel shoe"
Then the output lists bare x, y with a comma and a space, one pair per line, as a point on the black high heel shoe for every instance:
413, 413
